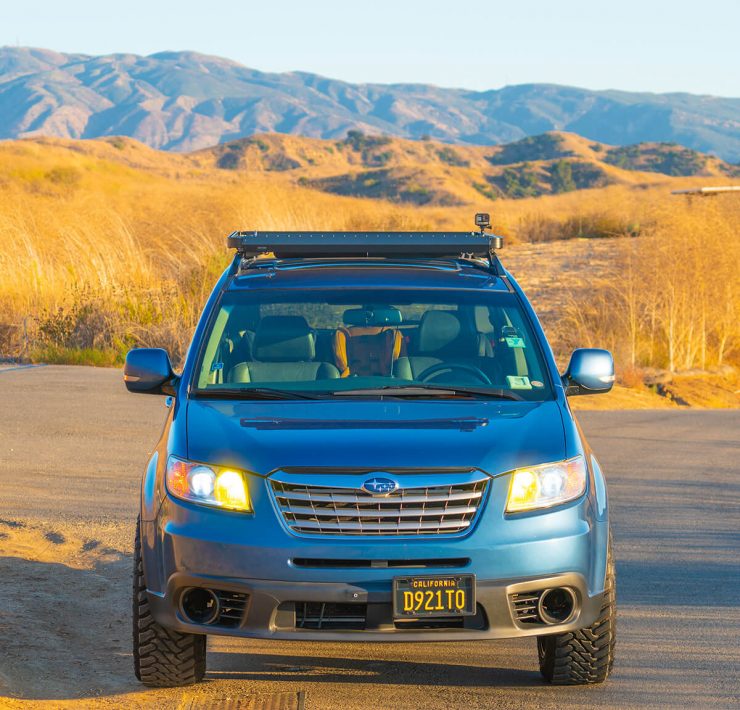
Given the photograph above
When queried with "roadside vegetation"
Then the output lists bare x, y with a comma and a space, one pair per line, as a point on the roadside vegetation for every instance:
675, 300
107, 245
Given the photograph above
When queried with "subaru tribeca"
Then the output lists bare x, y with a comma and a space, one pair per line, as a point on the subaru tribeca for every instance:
369, 440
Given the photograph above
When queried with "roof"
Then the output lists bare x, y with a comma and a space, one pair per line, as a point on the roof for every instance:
368, 273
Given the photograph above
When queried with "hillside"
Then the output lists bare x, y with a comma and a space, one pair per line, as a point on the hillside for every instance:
184, 101
382, 169
431, 173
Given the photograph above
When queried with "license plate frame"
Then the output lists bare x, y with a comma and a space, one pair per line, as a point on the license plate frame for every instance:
429, 607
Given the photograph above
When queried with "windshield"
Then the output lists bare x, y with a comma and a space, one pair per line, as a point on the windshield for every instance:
343, 342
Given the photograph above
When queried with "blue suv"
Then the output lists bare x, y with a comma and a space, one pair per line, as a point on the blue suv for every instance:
370, 441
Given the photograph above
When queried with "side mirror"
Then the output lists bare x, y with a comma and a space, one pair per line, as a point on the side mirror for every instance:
590, 371
149, 371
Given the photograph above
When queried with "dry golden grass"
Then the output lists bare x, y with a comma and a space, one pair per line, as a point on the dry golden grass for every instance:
676, 301
102, 248
108, 244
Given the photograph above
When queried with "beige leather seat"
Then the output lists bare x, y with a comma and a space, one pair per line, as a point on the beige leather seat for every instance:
444, 337
284, 349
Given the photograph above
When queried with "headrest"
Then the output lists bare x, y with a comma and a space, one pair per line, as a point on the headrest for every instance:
372, 316
444, 332
284, 339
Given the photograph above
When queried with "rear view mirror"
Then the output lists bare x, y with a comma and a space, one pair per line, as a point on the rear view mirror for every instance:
149, 371
376, 316
590, 371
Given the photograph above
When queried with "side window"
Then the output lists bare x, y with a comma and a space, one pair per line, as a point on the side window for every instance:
211, 371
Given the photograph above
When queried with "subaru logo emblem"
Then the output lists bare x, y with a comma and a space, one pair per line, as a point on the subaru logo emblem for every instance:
378, 486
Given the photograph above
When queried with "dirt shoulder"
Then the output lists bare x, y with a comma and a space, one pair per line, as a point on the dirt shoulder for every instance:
704, 391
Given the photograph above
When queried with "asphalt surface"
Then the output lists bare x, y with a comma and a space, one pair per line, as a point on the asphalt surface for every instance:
72, 447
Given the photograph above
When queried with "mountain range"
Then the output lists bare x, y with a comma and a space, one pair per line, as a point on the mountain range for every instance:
184, 101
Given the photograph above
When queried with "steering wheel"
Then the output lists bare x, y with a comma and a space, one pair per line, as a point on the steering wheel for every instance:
427, 374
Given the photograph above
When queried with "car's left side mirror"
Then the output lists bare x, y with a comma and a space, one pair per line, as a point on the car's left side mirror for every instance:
149, 371
590, 371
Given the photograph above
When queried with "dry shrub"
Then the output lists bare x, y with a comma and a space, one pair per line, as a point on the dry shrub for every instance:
676, 301
537, 227
631, 377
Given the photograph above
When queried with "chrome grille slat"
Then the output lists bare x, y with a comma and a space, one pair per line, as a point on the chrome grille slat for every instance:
446, 509
344, 497
350, 527
382, 513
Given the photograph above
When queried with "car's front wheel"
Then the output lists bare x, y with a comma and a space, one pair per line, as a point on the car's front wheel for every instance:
163, 658
587, 655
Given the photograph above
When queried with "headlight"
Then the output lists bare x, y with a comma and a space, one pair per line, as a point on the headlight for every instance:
209, 485
546, 485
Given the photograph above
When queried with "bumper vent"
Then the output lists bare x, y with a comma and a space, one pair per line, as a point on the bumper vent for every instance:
322, 563
432, 510
328, 616
478, 622
232, 606
525, 607
318, 615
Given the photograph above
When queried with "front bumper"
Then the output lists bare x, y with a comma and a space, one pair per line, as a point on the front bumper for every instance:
255, 555
270, 610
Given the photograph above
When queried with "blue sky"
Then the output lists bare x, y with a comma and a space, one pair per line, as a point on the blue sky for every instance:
643, 45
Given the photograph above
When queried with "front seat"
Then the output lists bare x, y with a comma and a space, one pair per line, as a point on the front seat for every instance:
368, 342
442, 336
284, 349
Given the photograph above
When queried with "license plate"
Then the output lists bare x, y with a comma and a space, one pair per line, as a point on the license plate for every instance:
443, 595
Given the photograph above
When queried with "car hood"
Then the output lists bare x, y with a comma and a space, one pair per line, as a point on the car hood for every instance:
263, 436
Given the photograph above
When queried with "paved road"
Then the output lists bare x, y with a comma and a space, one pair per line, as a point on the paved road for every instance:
72, 445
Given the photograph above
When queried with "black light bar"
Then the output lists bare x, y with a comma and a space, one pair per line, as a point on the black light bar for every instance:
286, 245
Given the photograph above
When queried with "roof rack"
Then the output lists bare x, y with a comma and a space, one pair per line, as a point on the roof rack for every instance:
452, 245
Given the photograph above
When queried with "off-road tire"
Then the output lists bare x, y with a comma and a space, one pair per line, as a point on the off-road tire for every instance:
585, 656
162, 658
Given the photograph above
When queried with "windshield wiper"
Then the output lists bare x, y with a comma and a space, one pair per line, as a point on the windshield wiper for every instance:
439, 390
256, 393
420, 390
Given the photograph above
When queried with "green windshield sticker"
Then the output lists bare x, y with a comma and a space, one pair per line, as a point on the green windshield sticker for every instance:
515, 342
518, 383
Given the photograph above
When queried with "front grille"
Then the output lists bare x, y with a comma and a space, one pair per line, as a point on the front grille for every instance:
431, 510
232, 606
525, 607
